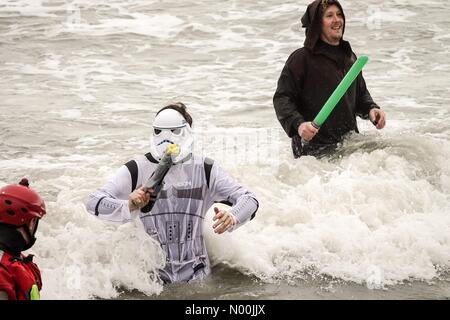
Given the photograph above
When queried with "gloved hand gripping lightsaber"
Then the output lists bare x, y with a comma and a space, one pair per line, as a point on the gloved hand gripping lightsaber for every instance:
153, 185
162, 168
340, 90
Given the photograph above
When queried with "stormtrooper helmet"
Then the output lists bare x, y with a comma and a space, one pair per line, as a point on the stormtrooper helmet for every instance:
170, 127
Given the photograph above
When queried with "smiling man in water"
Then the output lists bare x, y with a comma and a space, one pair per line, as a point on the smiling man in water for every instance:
310, 76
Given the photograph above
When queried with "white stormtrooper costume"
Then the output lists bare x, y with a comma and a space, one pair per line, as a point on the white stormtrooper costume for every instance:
190, 187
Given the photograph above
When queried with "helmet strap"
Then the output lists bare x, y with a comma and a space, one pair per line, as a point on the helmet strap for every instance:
30, 236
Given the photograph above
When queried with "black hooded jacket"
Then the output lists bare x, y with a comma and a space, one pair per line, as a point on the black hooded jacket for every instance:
310, 76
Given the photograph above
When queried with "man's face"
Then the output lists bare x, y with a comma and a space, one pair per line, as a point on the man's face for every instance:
332, 25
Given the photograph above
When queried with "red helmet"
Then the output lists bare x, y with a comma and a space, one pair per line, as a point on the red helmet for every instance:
19, 205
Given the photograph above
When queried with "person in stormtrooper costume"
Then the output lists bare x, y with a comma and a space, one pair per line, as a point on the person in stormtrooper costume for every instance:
190, 187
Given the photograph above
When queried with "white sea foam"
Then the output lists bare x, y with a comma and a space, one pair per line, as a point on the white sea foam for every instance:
82, 257
161, 26
34, 8
372, 209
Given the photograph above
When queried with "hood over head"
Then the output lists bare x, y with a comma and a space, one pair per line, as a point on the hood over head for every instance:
312, 20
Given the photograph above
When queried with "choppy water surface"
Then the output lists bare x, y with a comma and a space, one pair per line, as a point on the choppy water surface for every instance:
80, 85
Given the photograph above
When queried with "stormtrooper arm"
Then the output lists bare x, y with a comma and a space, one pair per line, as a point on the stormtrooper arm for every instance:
226, 190
110, 202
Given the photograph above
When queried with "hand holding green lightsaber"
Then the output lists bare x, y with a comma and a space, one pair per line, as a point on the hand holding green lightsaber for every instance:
340, 90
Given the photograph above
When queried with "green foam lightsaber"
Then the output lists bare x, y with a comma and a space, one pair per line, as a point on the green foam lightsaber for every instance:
339, 91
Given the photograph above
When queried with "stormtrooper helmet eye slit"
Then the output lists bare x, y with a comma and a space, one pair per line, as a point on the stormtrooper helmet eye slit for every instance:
156, 132
176, 131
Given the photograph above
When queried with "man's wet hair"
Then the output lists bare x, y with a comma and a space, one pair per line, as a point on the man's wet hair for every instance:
326, 3
181, 108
